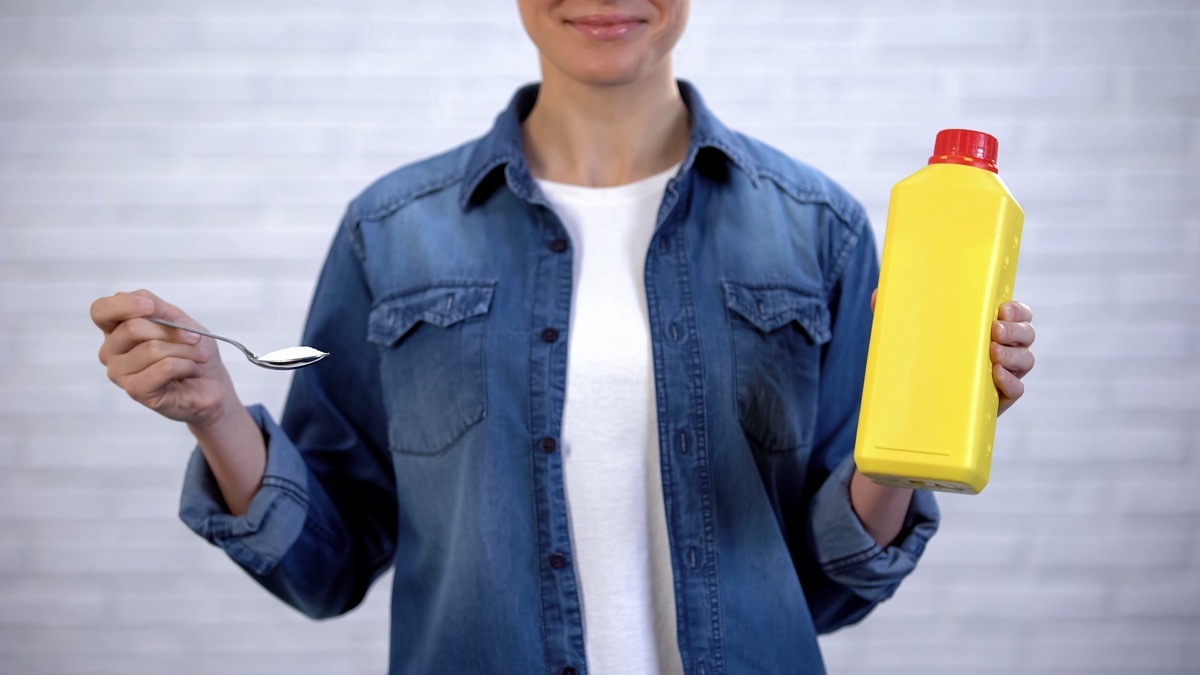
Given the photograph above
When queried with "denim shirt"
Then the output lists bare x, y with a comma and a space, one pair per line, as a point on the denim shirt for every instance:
427, 440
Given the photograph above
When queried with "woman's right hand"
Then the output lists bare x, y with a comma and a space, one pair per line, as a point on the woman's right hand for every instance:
173, 372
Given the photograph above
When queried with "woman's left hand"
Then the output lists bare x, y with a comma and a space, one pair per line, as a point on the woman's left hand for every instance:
1012, 335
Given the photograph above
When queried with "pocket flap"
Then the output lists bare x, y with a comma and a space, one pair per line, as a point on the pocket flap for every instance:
769, 308
442, 304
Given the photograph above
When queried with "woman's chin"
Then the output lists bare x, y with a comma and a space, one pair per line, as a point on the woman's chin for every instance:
608, 73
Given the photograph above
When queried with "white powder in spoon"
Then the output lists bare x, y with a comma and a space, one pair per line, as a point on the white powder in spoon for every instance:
290, 354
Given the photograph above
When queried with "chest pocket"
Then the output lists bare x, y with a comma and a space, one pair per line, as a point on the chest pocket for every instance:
432, 361
777, 336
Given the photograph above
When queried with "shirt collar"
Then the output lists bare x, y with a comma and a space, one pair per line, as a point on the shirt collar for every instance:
502, 146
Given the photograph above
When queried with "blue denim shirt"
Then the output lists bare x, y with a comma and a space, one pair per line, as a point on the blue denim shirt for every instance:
427, 440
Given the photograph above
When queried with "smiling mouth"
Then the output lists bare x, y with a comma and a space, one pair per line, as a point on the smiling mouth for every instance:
606, 26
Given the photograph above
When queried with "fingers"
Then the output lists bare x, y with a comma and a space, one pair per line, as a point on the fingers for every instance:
110, 312
148, 369
1012, 359
874, 295
1017, 312
1010, 387
145, 354
166, 310
1016, 360
129, 334
174, 372
121, 318
1013, 334
1014, 327
148, 385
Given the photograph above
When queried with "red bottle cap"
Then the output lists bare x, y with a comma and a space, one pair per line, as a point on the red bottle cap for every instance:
963, 146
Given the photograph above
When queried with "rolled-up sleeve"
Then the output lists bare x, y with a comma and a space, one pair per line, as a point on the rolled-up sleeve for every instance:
849, 556
259, 538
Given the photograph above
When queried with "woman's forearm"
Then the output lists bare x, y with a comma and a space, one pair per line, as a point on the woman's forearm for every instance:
236, 453
881, 508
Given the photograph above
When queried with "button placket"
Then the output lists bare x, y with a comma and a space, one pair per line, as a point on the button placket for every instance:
673, 311
549, 310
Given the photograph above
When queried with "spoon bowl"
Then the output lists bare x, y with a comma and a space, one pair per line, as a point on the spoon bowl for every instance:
289, 358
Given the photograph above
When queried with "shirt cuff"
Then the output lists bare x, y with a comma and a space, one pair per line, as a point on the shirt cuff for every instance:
259, 538
850, 556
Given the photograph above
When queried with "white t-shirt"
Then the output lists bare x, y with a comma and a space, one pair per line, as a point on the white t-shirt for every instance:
610, 431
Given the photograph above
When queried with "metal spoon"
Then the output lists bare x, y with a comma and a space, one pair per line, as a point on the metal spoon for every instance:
284, 360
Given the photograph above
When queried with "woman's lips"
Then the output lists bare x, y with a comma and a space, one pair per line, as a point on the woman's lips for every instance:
606, 26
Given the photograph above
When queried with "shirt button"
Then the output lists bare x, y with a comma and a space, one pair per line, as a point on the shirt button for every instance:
558, 245
558, 561
550, 335
549, 445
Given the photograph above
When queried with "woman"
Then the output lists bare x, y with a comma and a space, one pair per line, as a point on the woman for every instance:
592, 392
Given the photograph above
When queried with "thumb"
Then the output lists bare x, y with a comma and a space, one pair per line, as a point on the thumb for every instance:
874, 293
165, 310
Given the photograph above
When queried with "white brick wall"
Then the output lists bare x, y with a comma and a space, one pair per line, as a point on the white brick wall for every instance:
165, 144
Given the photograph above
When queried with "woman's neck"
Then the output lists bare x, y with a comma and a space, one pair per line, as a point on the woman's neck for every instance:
602, 136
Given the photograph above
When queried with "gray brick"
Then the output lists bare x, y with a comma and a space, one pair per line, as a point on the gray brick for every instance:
12, 556
1163, 33
1104, 550
1056, 396
915, 653
1083, 186
159, 608
1180, 392
1177, 186
1171, 343
110, 33
1117, 655
111, 558
14, 34
1116, 40
49, 350
1174, 289
1126, 444
111, 450
24, 608
1179, 600
1192, 650
173, 244
956, 550
55, 505
1060, 239
1080, 600
1152, 136
1170, 84
1033, 497
158, 192
1025, 83
42, 400
147, 504
1166, 496
961, 34
12, 448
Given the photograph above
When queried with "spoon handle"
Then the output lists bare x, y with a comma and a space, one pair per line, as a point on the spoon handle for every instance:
235, 343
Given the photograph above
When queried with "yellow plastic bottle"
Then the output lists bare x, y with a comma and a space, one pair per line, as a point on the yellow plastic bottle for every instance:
929, 404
